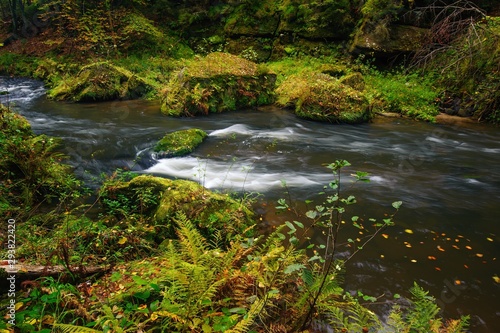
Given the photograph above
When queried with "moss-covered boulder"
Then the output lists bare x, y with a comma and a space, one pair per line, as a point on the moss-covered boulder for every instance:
216, 83
180, 143
318, 96
384, 40
162, 199
100, 81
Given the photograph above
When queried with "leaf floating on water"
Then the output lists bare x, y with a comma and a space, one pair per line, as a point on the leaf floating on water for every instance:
437, 269
455, 247
457, 240
466, 266
468, 247
431, 258
407, 244
479, 255
385, 236
440, 248
409, 231
496, 279
457, 282
413, 260
489, 239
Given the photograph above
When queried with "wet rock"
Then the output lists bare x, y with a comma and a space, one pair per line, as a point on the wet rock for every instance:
180, 143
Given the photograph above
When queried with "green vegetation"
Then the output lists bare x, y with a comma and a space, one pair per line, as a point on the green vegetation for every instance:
207, 268
218, 82
214, 277
180, 143
30, 172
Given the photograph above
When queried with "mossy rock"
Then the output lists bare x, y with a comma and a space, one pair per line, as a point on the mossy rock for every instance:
216, 83
162, 199
180, 143
354, 80
101, 81
385, 41
318, 96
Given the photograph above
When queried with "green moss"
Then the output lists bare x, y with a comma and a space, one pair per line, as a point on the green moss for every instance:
180, 143
100, 81
219, 82
211, 212
320, 97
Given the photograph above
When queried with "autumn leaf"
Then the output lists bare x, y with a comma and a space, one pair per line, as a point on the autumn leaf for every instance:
409, 231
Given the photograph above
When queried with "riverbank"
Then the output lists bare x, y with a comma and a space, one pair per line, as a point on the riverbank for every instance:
316, 69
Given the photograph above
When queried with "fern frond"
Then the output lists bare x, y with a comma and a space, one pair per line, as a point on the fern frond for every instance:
67, 328
244, 325
192, 243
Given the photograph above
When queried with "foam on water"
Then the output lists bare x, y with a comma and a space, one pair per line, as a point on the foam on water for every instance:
240, 175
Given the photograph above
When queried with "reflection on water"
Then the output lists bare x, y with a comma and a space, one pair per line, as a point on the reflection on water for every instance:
447, 177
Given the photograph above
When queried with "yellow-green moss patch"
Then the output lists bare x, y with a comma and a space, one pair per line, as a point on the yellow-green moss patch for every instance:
219, 82
318, 96
180, 143
100, 81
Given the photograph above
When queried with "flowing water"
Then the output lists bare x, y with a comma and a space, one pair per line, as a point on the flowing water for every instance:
447, 177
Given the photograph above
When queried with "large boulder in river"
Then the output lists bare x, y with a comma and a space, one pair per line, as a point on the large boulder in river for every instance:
100, 81
216, 83
319, 96
160, 200
180, 143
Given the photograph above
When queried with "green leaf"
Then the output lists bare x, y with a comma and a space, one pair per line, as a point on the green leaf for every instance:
397, 204
299, 224
291, 226
293, 267
312, 214
354, 218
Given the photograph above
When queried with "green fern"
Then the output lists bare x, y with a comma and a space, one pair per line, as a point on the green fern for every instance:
66, 328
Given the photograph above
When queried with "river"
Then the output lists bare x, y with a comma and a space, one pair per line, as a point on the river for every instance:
447, 177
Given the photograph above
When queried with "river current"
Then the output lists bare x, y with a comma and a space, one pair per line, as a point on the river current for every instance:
447, 233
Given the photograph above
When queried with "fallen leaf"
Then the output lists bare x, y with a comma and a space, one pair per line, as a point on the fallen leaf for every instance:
480, 255
489, 239
385, 236
413, 260
457, 282
409, 231
496, 279
440, 248
457, 240
468, 247
466, 266
122, 240
455, 247
431, 258
437, 268
408, 245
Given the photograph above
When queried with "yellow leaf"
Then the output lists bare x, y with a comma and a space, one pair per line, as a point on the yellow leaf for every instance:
440, 248
489, 239
48, 319
480, 255
496, 279
19, 305
385, 236
409, 231
122, 240
154, 316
